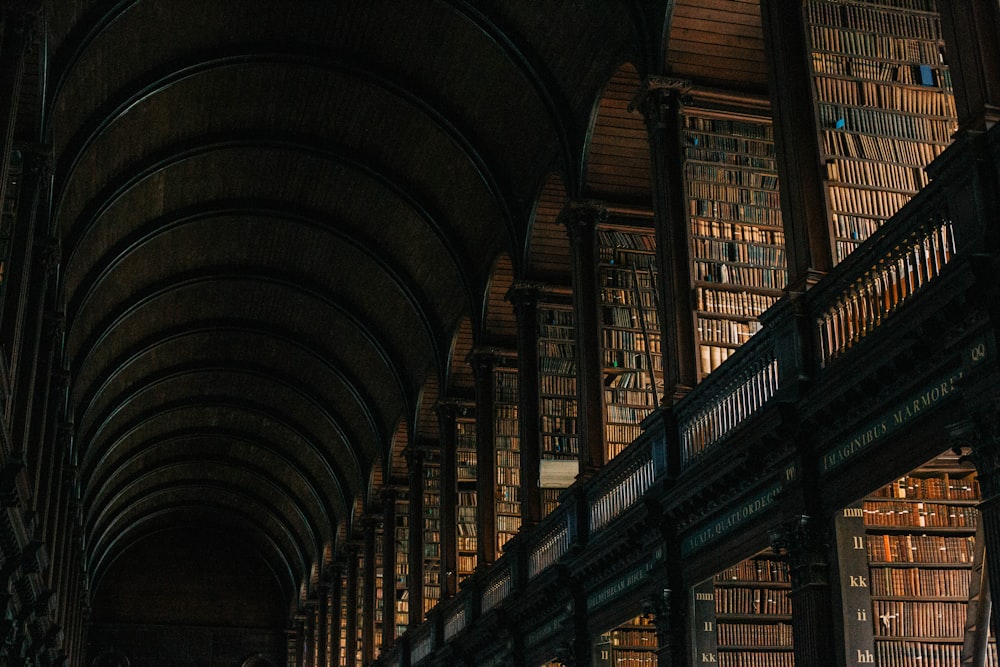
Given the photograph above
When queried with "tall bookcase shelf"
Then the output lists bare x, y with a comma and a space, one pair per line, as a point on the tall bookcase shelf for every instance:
737, 244
884, 103
466, 502
920, 533
632, 644
557, 392
402, 536
630, 335
753, 614
507, 448
432, 531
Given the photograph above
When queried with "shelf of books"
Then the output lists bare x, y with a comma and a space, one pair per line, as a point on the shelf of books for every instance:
737, 244
630, 332
341, 627
432, 530
379, 577
885, 106
753, 614
557, 392
402, 601
631, 644
920, 538
507, 448
465, 458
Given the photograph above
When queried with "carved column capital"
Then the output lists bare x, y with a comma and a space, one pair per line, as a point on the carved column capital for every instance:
977, 438
803, 543
582, 217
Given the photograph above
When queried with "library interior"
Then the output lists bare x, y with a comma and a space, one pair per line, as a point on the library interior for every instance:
481, 333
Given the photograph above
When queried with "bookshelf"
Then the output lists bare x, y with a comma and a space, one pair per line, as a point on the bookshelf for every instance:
466, 502
507, 448
737, 244
557, 392
380, 536
920, 535
630, 331
753, 614
884, 103
402, 529
432, 530
631, 644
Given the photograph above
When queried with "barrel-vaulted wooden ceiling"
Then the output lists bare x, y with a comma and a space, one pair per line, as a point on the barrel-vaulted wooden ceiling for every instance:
282, 224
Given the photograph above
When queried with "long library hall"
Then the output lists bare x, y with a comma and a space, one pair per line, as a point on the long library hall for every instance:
467, 333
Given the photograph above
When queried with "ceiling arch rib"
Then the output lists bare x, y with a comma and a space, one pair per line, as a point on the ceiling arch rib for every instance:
258, 484
204, 373
225, 445
103, 331
267, 211
202, 64
273, 335
292, 561
206, 409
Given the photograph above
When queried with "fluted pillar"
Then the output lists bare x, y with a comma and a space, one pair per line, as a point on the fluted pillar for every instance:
524, 297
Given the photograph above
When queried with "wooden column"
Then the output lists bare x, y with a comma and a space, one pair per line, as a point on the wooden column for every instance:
972, 49
808, 244
336, 609
309, 645
415, 582
352, 602
368, 594
447, 413
300, 640
804, 545
483, 366
524, 296
581, 220
322, 624
661, 108
388, 568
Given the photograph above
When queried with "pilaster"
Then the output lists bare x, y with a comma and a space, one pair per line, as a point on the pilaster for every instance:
524, 296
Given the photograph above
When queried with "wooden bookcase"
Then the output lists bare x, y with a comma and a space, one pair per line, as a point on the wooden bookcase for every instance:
630, 331
920, 540
632, 644
884, 104
432, 530
466, 501
507, 448
753, 614
557, 391
737, 245
402, 530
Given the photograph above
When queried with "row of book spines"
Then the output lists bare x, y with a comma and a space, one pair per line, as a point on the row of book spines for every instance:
880, 204
876, 174
631, 658
882, 20
729, 302
564, 407
633, 637
919, 549
625, 240
920, 582
734, 194
746, 600
627, 339
755, 634
838, 143
756, 659
899, 113
906, 72
559, 318
712, 356
731, 231
919, 513
925, 654
739, 253
735, 274
895, 618
734, 212
730, 332
466, 564
707, 142
755, 570
729, 127
946, 487
622, 276
630, 397
558, 424
730, 175
730, 159
624, 414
